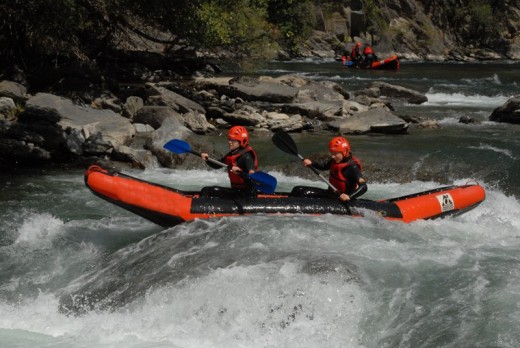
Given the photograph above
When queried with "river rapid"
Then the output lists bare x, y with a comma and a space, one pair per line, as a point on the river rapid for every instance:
284, 281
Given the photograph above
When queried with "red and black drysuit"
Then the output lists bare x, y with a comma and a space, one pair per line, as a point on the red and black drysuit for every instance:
241, 185
369, 55
344, 176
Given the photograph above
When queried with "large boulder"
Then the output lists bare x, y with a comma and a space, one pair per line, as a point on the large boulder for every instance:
509, 112
371, 121
13, 90
159, 94
171, 128
155, 115
251, 89
73, 129
393, 91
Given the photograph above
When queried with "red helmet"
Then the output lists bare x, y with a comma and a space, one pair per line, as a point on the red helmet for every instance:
240, 134
339, 144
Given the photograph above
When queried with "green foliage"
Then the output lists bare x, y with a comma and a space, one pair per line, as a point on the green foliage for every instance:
475, 21
233, 27
293, 20
82, 29
38, 32
373, 11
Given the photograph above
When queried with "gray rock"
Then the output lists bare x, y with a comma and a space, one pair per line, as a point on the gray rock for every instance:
172, 128
82, 128
13, 90
197, 123
139, 158
143, 128
371, 121
159, 95
21, 152
131, 106
155, 115
393, 91
255, 90
509, 112
6, 106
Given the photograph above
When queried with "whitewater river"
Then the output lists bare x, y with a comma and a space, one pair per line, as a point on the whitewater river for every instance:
77, 271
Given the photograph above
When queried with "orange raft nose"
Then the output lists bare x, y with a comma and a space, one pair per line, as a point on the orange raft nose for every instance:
448, 202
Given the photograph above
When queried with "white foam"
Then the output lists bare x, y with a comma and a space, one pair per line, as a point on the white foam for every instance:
459, 99
242, 306
506, 152
39, 229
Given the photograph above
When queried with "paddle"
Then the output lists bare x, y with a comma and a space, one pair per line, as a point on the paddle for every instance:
284, 142
261, 181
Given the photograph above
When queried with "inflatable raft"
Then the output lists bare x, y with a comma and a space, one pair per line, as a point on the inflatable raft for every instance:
390, 63
168, 207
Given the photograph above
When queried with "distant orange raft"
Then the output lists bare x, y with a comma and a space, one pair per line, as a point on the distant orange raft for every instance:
168, 207
390, 63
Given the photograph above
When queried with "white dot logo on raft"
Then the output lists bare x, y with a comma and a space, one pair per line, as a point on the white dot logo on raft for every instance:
446, 202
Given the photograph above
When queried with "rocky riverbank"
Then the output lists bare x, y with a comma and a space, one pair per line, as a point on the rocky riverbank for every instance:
44, 128
130, 129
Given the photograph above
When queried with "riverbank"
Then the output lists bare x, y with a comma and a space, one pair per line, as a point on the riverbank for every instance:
317, 98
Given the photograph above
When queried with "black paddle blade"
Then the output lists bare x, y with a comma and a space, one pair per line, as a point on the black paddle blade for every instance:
284, 142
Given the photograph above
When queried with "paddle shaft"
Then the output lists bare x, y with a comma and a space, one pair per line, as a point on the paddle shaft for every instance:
316, 171
209, 159
260, 180
285, 142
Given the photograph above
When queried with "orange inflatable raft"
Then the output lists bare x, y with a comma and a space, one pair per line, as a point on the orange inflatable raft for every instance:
168, 207
390, 63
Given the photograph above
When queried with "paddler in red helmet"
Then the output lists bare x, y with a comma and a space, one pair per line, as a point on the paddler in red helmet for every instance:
241, 159
369, 55
345, 173
355, 54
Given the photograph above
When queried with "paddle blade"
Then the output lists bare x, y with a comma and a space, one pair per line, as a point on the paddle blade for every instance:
263, 182
284, 142
177, 146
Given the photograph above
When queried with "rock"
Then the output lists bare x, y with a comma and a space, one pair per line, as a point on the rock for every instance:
255, 90
143, 128
20, 152
467, 120
113, 104
6, 107
322, 91
246, 116
321, 110
138, 157
388, 90
421, 122
172, 128
155, 115
509, 112
13, 90
371, 121
158, 95
197, 123
290, 124
78, 129
131, 106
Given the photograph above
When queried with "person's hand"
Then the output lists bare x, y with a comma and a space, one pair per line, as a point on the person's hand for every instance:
307, 162
344, 197
204, 156
236, 169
